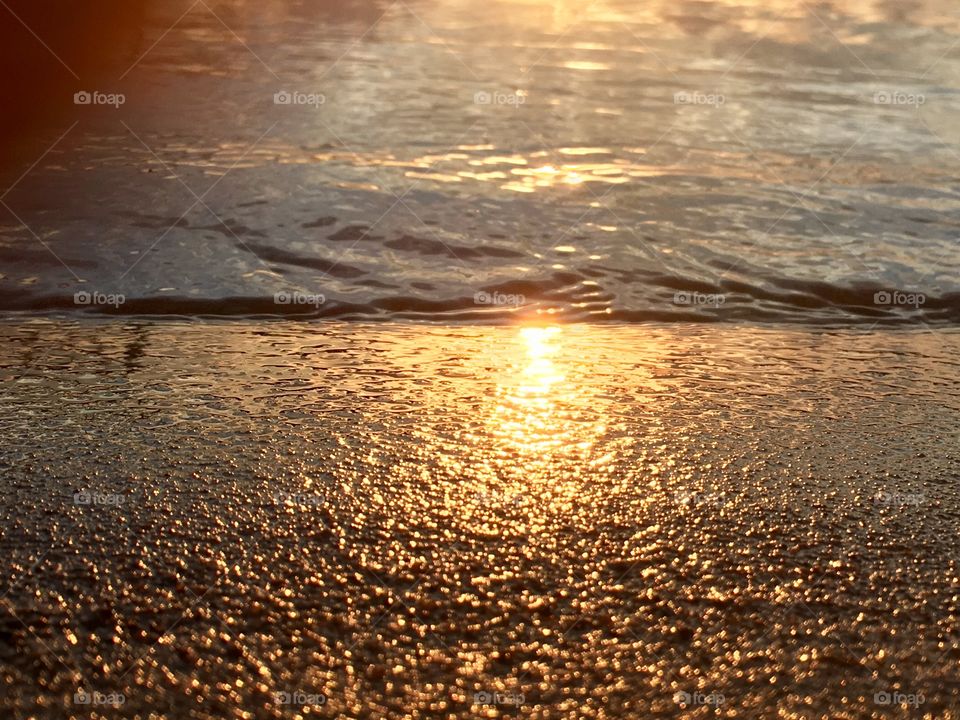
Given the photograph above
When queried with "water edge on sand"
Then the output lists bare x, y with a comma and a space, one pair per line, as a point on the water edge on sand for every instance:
217, 519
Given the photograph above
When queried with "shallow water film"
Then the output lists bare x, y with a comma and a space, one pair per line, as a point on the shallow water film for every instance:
418, 359
233, 520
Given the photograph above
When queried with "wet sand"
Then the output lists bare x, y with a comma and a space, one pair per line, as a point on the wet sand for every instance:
390, 521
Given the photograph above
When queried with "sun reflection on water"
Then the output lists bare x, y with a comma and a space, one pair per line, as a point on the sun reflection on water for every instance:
526, 411
534, 444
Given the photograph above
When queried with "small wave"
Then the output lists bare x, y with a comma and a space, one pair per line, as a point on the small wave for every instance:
563, 298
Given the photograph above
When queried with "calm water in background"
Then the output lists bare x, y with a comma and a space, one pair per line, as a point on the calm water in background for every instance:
775, 182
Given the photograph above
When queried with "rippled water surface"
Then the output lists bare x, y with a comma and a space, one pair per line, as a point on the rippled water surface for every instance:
555, 499
406, 521
769, 161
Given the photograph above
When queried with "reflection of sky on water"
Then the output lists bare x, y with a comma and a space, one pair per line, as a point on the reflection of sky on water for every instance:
621, 152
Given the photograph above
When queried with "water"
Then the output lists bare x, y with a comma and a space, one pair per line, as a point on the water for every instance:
722, 161
559, 496
587, 520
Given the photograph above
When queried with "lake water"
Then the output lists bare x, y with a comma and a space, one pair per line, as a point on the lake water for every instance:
465, 161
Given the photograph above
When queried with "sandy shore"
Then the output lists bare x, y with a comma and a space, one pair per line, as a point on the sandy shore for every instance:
266, 520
